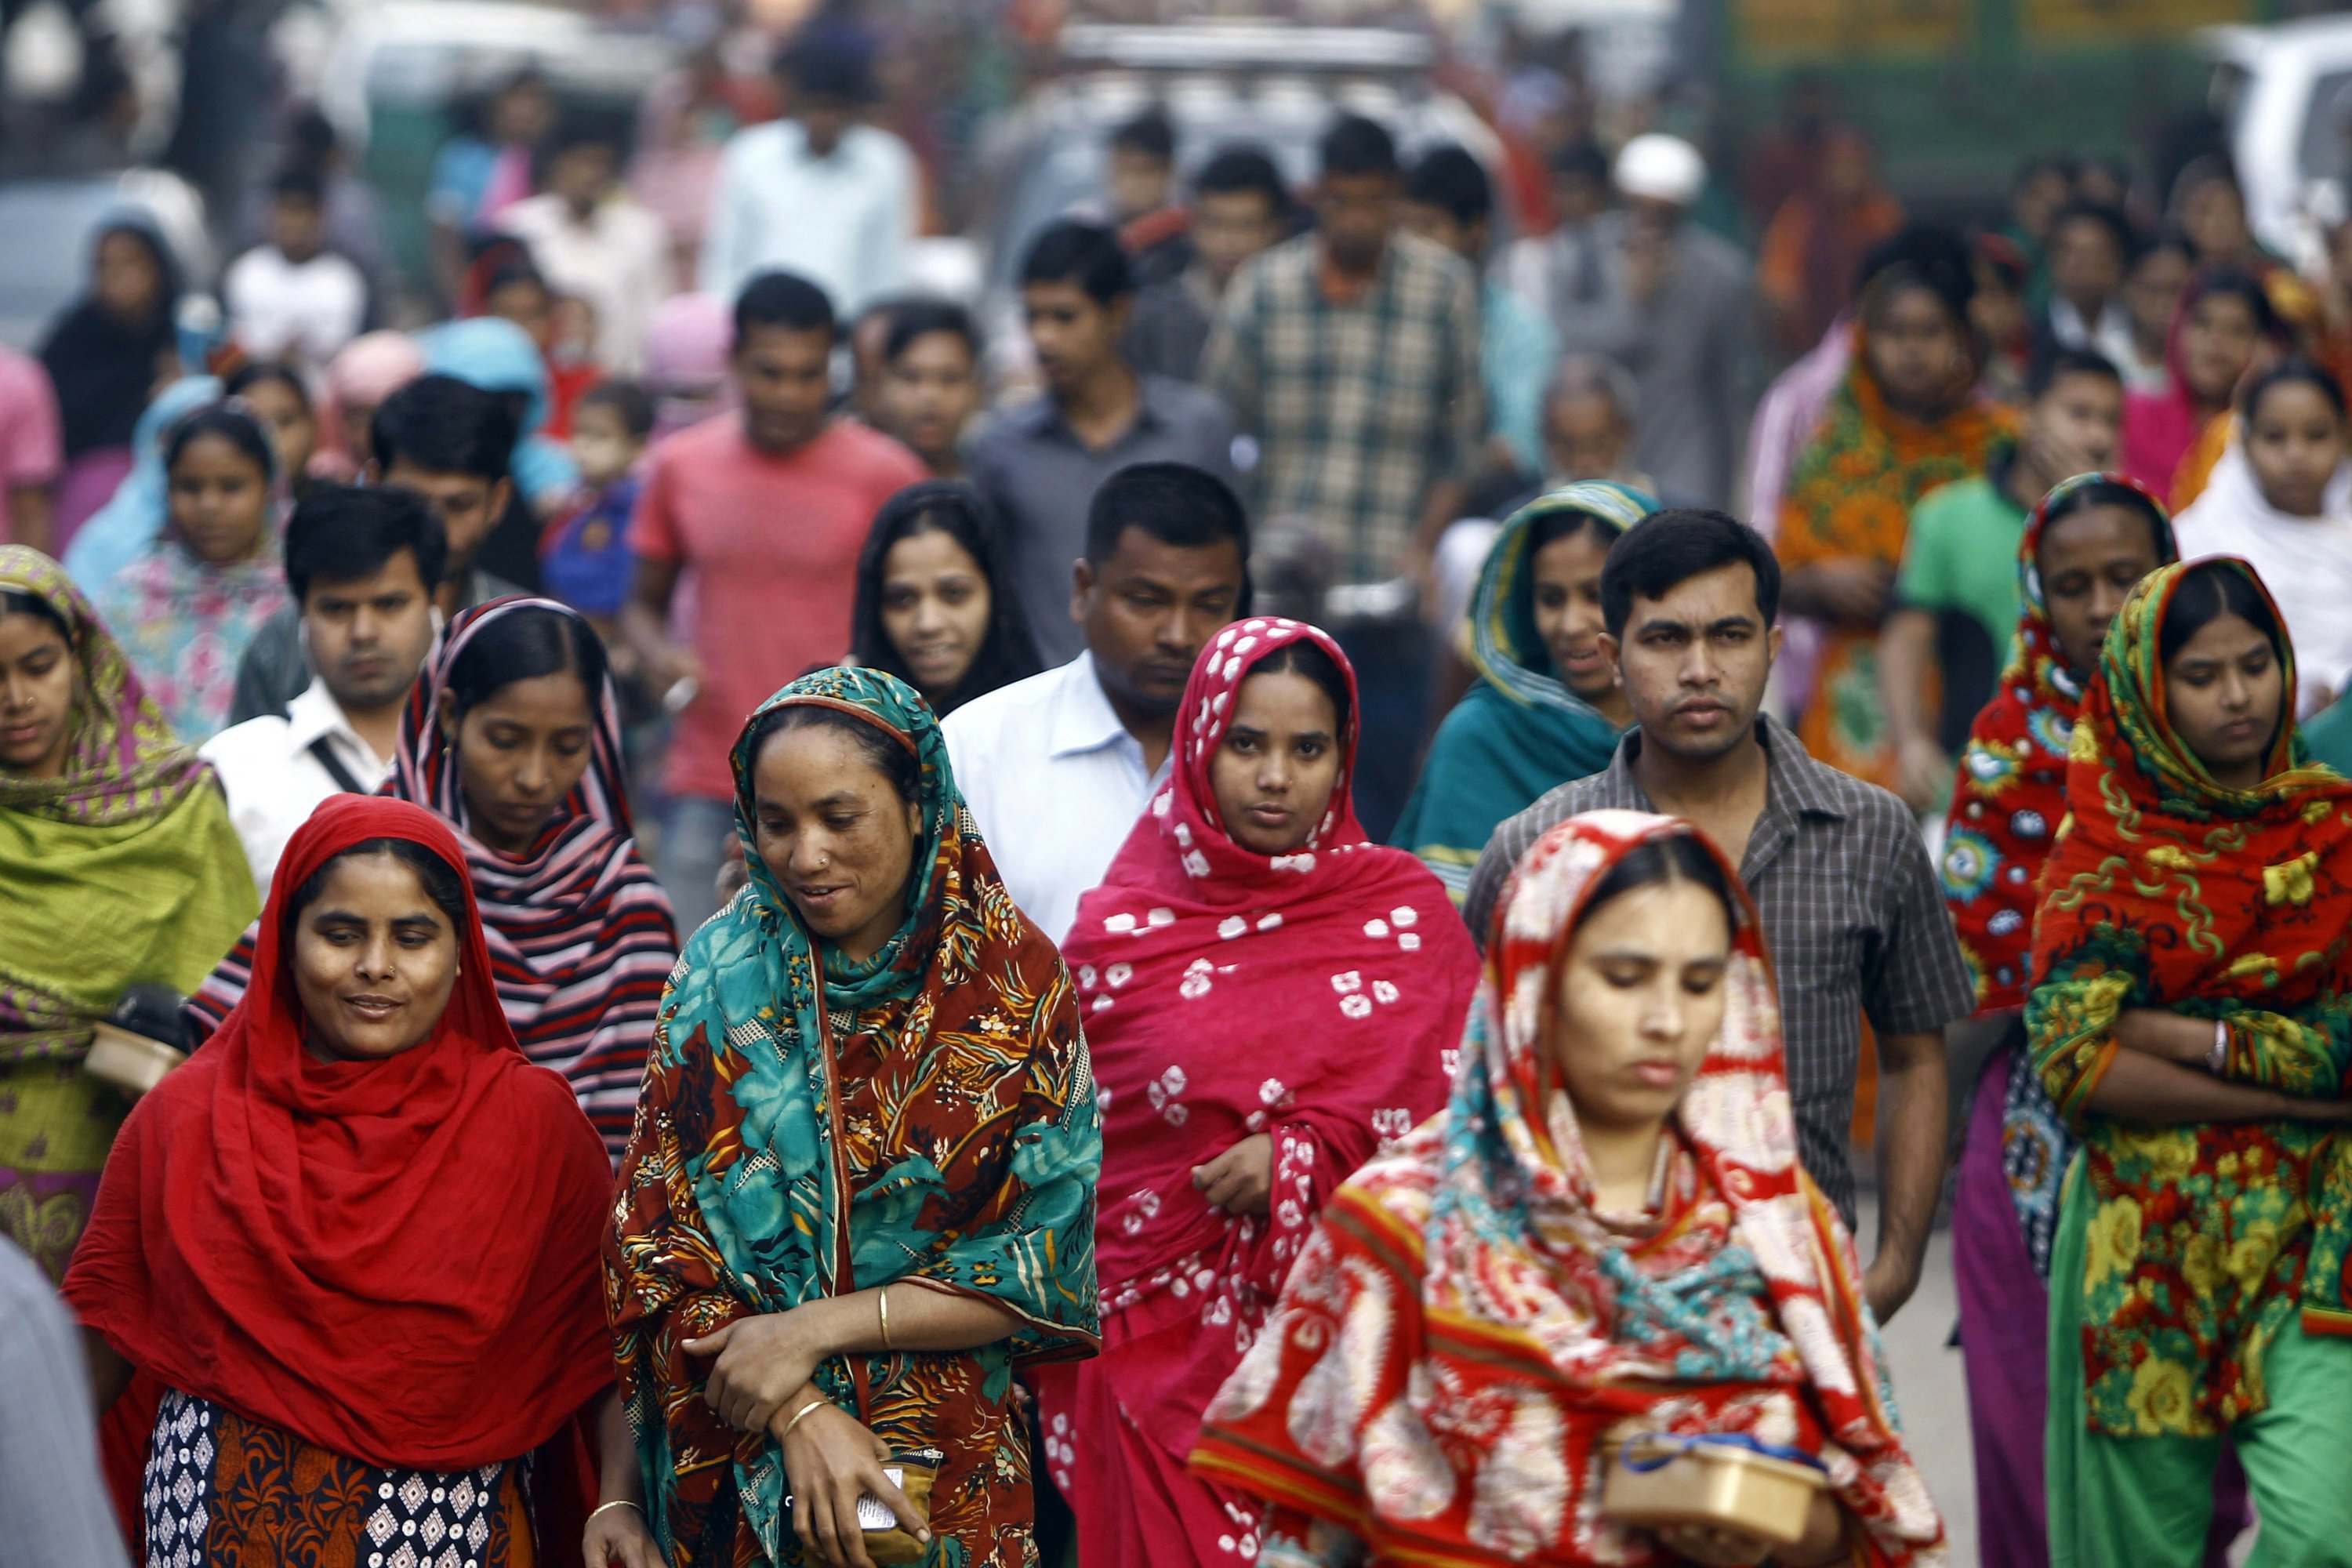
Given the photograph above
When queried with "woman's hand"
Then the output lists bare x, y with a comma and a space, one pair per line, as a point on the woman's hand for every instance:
831, 1461
2167, 1036
1239, 1180
619, 1537
762, 1362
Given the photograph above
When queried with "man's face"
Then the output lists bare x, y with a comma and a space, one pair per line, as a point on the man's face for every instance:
1230, 226
367, 637
2072, 429
1585, 437
1694, 662
1354, 213
786, 378
468, 505
826, 120
296, 227
1073, 334
583, 175
929, 393
1139, 183
2087, 265
1466, 240
1578, 197
1148, 611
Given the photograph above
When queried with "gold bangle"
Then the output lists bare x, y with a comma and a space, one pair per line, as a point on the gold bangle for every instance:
882, 1301
616, 1502
798, 1415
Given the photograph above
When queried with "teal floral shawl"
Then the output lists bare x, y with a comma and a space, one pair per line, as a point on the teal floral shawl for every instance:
811, 1127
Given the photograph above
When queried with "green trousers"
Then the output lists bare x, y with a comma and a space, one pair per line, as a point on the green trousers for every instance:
2146, 1503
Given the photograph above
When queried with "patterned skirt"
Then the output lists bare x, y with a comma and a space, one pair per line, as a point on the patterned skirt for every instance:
226, 1492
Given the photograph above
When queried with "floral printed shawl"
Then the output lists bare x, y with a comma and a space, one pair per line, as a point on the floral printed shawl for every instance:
1465, 1337
187, 623
1519, 731
1851, 498
118, 870
736, 1193
2167, 890
2010, 797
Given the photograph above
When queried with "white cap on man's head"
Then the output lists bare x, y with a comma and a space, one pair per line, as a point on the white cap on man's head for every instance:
1661, 168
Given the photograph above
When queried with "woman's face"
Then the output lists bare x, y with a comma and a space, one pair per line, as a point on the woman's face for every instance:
1567, 611
527, 303
2089, 562
220, 500
37, 671
1640, 1000
293, 429
2225, 694
374, 961
2296, 443
2152, 293
834, 833
125, 279
935, 609
1274, 771
2213, 217
1916, 352
520, 750
2217, 345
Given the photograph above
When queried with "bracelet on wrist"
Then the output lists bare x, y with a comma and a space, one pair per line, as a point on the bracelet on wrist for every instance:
616, 1502
801, 1415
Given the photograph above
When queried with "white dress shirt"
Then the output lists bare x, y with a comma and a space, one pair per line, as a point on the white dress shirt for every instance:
844, 221
1055, 782
302, 311
273, 780
619, 261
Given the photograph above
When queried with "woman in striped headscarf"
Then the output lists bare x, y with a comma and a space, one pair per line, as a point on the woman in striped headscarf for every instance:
513, 736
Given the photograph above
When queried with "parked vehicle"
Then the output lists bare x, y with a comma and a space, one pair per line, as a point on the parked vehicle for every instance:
2284, 95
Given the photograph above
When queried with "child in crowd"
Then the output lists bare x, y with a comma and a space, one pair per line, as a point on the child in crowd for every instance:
276, 396
292, 298
585, 561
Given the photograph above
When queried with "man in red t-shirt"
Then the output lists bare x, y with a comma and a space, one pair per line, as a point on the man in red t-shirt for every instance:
766, 509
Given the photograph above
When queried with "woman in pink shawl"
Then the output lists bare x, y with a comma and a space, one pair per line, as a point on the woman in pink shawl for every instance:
2224, 320
370, 369
1269, 1000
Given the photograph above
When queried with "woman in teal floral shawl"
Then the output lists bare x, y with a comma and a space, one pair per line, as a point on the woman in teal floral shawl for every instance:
840, 1159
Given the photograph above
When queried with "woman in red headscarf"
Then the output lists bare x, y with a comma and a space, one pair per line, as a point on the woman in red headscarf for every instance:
354, 1240
1268, 1000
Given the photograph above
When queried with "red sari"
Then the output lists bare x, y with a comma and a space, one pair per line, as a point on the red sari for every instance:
1314, 998
276, 1235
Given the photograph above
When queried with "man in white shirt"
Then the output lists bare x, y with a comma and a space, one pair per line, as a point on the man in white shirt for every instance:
819, 193
362, 566
1056, 768
592, 241
292, 298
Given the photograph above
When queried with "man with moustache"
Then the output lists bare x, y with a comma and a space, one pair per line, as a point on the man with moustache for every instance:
1847, 897
1056, 768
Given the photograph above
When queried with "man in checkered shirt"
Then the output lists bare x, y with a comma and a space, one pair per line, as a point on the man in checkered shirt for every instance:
1849, 903
1351, 357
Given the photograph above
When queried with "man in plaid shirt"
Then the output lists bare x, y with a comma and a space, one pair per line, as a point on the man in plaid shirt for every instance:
1352, 355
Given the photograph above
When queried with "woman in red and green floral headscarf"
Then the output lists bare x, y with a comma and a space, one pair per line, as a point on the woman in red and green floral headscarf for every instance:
2191, 1017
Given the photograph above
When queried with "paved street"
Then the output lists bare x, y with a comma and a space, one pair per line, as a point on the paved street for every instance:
1926, 1366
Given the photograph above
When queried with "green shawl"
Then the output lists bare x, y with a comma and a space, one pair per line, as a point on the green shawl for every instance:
1519, 731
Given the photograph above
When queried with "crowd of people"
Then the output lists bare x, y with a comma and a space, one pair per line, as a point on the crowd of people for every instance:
652, 927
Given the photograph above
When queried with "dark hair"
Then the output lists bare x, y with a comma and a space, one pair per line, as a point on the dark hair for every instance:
2167, 236
2211, 168
891, 757
783, 300
339, 533
2207, 592
1175, 503
445, 426
2053, 366
1928, 256
1355, 145
1086, 254
1448, 178
1308, 658
1150, 135
522, 645
2034, 166
2118, 227
310, 139
1675, 546
628, 399
1680, 858
2239, 284
2107, 493
1010, 651
829, 62
299, 183
502, 263
248, 376
16, 602
1236, 169
1585, 159
443, 883
2296, 372
1555, 526
577, 130
922, 318
233, 425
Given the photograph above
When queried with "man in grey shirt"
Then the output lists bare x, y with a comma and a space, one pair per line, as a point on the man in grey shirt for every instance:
1851, 909
54, 1511
1040, 465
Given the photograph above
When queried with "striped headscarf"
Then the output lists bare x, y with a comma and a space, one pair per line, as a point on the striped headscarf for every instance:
580, 935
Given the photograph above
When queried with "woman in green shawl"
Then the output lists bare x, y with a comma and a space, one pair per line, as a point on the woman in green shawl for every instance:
861, 1189
119, 866
1546, 708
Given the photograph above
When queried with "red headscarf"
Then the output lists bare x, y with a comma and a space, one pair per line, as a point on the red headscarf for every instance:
396, 1260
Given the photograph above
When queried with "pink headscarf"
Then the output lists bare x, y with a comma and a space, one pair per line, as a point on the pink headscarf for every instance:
369, 370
